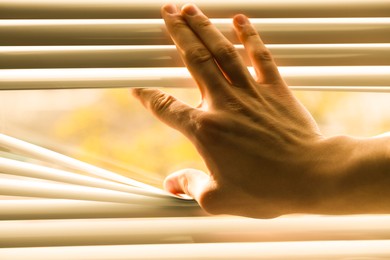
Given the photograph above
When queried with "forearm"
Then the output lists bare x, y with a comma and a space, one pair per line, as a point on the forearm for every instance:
357, 177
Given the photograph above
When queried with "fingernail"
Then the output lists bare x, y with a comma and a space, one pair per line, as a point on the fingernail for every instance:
170, 8
241, 19
190, 9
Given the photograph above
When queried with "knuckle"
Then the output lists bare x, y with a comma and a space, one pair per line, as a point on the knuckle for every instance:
236, 107
250, 32
177, 25
197, 54
204, 23
207, 128
262, 54
161, 102
223, 51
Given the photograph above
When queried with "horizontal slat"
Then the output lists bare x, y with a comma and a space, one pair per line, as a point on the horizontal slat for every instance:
149, 32
343, 89
18, 168
151, 9
39, 189
199, 230
322, 250
21, 57
180, 78
24, 148
28, 209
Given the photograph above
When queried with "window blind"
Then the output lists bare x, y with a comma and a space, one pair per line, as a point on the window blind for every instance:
56, 207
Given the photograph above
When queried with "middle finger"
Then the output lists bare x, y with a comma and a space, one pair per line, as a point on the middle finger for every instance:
221, 48
200, 62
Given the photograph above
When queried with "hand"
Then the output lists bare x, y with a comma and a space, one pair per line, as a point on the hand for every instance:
265, 154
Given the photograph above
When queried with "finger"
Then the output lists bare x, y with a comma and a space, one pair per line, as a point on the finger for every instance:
266, 69
221, 48
196, 56
168, 109
189, 182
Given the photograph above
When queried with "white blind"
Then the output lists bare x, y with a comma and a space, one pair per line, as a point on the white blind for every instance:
62, 208
40, 52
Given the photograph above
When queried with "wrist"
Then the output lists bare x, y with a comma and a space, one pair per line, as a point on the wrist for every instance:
324, 162
351, 175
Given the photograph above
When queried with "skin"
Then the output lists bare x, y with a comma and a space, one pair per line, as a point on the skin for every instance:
265, 153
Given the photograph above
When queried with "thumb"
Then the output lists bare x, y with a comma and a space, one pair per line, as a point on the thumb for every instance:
167, 108
189, 182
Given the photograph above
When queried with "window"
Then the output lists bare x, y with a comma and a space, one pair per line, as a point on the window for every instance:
65, 70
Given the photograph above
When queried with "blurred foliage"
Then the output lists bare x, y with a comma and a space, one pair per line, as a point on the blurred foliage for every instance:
118, 127
112, 130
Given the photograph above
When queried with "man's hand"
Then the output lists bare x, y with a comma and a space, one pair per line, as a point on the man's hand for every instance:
265, 154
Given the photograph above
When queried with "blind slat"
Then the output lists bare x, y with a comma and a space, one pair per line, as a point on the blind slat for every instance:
82, 9
37, 189
324, 250
180, 77
18, 168
21, 57
343, 89
24, 148
319, 250
196, 229
22, 209
153, 32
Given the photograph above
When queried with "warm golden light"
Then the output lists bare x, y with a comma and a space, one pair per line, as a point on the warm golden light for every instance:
86, 180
